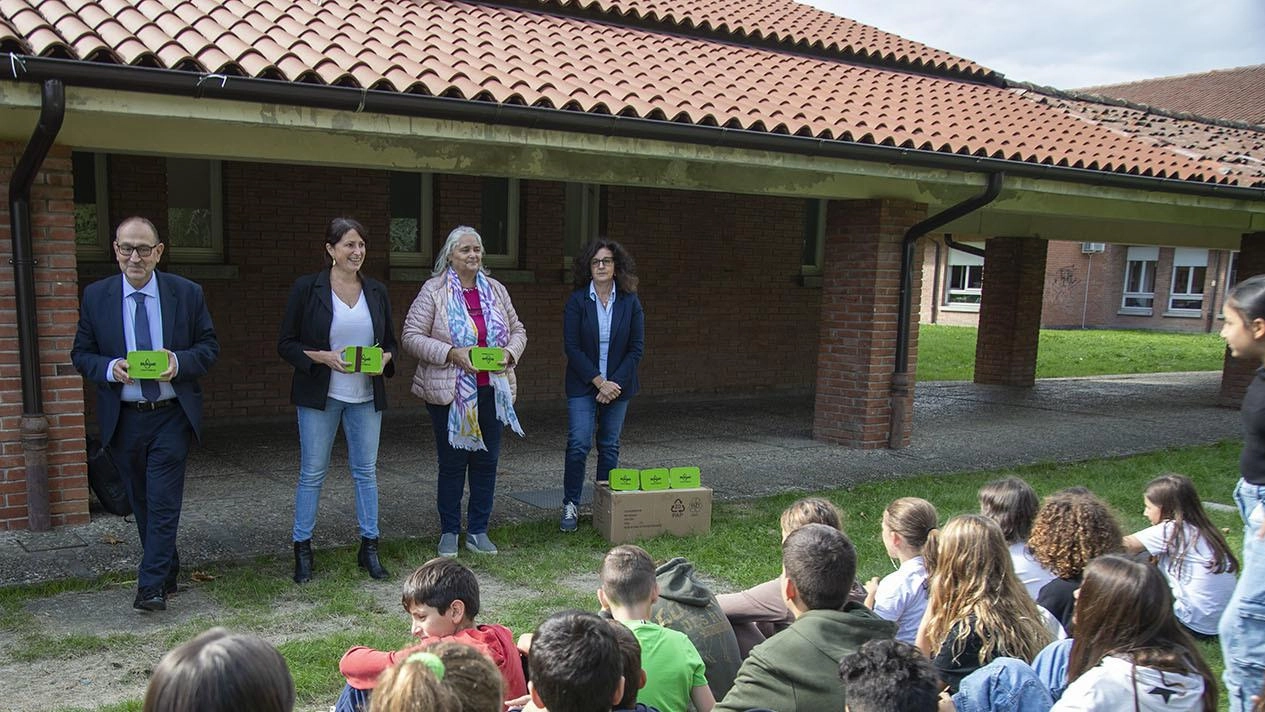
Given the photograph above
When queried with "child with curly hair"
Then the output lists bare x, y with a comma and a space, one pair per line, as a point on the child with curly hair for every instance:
976, 610
1072, 527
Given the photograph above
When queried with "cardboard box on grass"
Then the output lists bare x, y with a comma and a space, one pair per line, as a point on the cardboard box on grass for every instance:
637, 514
623, 478
146, 364
486, 358
364, 359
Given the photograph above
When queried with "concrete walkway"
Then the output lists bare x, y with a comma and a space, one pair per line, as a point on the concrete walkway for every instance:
239, 496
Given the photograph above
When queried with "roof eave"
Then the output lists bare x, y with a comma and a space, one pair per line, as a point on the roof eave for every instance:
213, 86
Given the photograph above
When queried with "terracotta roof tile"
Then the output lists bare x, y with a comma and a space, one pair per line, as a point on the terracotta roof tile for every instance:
502, 54
1231, 94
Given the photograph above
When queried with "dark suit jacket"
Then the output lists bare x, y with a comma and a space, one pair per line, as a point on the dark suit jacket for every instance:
305, 327
187, 332
580, 341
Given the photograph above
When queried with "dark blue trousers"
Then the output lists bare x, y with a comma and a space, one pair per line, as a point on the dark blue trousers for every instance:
149, 449
456, 467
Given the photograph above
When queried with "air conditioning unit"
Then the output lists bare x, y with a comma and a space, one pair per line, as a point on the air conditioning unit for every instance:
1089, 248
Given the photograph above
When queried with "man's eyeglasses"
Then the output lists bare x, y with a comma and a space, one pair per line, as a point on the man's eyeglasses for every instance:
127, 250
604, 262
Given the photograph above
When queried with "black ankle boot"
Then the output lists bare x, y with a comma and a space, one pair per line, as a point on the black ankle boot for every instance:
368, 558
303, 561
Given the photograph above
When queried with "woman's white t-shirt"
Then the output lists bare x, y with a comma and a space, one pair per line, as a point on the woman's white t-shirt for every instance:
351, 326
1115, 685
902, 598
1199, 595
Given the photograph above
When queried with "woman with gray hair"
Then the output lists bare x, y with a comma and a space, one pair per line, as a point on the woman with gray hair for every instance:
459, 308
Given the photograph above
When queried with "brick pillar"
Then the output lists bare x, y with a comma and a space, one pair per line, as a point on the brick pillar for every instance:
57, 307
1236, 374
1010, 311
859, 297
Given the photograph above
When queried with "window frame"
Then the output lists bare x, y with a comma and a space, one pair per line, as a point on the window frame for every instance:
200, 255
582, 218
102, 249
970, 262
508, 259
1183, 260
1148, 264
814, 230
424, 256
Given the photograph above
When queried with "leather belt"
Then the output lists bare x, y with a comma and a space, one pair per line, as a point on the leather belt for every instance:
147, 406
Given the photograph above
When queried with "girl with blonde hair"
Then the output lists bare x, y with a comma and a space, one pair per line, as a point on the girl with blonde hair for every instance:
976, 608
901, 596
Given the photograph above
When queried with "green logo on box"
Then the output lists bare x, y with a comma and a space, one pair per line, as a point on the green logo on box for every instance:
364, 359
487, 358
623, 479
684, 478
147, 365
654, 479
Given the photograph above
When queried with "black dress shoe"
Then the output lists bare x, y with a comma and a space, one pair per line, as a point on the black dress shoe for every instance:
150, 601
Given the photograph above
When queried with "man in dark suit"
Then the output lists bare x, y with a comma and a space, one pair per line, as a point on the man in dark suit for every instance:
147, 424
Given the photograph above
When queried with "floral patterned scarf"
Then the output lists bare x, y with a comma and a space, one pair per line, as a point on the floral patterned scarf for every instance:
463, 417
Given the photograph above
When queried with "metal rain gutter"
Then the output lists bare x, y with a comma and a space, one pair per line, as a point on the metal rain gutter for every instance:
901, 377
34, 426
272, 91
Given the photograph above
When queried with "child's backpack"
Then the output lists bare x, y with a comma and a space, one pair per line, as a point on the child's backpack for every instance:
105, 481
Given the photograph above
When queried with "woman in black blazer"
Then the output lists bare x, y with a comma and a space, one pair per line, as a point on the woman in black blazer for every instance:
603, 332
327, 312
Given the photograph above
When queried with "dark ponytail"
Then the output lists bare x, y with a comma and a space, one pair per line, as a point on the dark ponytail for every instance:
1248, 297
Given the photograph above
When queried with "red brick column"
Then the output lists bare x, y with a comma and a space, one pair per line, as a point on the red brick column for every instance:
859, 297
57, 305
1010, 311
1236, 374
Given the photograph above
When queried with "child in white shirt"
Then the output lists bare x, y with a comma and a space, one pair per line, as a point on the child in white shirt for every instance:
901, 597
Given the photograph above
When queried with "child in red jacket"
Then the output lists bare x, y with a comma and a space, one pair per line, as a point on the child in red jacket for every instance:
442, 598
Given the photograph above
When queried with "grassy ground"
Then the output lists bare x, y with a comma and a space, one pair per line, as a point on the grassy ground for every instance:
947, 353
540, 571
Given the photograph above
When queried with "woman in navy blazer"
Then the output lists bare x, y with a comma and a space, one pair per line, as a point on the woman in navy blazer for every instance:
603, 332
328, 311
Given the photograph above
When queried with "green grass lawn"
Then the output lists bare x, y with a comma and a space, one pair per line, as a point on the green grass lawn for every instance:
547, 571
947, 353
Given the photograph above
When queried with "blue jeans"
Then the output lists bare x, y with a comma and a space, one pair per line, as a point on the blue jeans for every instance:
583, 415
352, 700
149, 450
456, 466
362, 425
1051, 666
1242, 626
1003, 685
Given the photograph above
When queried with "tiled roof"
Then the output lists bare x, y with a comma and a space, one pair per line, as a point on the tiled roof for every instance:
496, 53
1239, 152
1231, 94
786, 22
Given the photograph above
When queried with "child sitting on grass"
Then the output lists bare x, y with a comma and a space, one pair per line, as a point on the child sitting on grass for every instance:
901, 596
442, 598
219, 671
1192, 553
1013, 504
575, 664
634, 675
446, 677
675, 673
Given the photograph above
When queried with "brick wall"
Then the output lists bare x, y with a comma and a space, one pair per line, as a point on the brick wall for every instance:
718, 277
1237, 374
1010, 311
52, 218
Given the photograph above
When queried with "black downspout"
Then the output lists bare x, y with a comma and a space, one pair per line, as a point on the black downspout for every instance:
968, 249
34, 421
900, 378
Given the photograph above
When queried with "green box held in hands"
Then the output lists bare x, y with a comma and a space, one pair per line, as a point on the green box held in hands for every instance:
364, 359
654, 479
684, 478
147, 365
623, 479
487, 358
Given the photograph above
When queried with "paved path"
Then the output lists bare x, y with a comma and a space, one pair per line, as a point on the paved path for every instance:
240, 492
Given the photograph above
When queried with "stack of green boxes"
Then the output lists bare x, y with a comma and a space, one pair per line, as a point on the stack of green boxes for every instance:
656, 478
